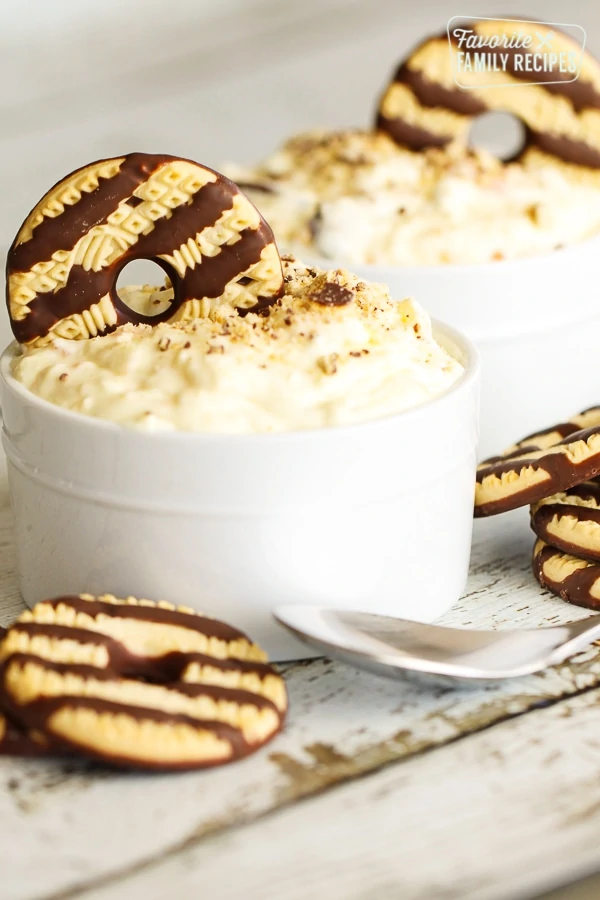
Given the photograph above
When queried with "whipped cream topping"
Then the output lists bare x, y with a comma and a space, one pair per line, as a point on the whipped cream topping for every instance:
358, 198
333, 350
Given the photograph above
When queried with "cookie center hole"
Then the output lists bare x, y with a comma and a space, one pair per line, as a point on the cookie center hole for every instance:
141, 287
499, 132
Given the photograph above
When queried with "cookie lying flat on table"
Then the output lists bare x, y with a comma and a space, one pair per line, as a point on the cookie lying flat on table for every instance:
575, 580
505, 483
570, 520
137, 683
209, 238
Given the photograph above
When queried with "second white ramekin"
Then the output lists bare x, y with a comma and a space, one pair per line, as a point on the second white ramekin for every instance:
376, 516
536, 324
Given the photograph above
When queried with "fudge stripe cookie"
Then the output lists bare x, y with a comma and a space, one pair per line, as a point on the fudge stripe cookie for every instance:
116, 678
570, 520
508, 483
212, 242
430, 104
574, 580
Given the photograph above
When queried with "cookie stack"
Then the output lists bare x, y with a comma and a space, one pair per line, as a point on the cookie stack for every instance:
557, 472
134, 683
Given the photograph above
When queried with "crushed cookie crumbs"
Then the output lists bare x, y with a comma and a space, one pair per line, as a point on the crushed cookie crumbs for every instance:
306, 353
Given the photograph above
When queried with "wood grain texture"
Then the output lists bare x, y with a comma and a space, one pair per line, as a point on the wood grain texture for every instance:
69, 827
497, 816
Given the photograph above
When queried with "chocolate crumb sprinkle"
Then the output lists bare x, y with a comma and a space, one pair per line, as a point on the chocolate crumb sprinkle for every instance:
331, 294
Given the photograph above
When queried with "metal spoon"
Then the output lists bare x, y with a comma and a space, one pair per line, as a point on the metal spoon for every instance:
391, 646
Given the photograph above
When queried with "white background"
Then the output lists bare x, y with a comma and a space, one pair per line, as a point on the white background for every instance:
213, 80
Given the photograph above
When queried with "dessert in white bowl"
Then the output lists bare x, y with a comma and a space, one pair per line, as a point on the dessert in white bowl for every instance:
358, 198
506, 251
334, 350
141, 449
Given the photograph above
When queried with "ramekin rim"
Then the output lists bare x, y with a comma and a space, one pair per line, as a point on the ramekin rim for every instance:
468, 350
518, 263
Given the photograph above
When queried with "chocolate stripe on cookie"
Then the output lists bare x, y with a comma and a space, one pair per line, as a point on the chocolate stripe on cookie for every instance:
145, 628
409, 135
124, 735
165, 614
63, 644
570, 578
548, 437
86, 288
570, 520
16, 742
576, 152
260, 678
27, 679
93, 208
433, 94
509, 483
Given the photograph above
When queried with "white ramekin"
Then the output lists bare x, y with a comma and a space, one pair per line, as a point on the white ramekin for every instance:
536, 324
375, 516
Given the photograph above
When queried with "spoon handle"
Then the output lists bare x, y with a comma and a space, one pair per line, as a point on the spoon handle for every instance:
581, 634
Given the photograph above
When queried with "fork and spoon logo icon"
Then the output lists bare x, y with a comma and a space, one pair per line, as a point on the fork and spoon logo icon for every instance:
544, 41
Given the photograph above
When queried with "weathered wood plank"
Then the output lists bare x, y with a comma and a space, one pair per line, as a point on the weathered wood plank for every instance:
80, 824
498, 816
67, 826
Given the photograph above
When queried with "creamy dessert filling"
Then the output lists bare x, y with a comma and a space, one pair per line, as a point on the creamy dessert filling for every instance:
334, 350
360, 198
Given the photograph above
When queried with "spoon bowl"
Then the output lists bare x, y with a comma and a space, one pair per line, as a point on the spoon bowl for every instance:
392, 647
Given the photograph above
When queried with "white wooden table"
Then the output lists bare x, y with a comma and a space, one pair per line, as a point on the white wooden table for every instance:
376, 789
